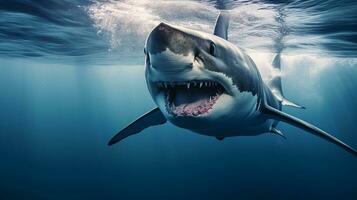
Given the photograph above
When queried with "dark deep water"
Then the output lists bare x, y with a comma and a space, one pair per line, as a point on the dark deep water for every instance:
72, 75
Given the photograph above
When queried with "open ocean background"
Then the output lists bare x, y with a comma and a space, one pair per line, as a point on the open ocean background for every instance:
72, 75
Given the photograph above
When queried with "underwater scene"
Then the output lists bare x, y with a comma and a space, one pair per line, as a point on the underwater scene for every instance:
74, 73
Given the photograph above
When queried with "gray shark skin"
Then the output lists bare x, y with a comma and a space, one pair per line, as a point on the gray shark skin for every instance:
204, 83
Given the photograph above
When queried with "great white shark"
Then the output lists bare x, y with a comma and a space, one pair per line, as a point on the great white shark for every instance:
204, 83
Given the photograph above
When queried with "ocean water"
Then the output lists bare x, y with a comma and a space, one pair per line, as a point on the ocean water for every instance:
72, 75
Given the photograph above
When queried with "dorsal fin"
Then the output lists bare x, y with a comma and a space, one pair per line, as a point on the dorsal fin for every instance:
221, 27
276, 81
275, 85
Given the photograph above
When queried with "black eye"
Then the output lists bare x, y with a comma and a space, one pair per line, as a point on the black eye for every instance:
212, 49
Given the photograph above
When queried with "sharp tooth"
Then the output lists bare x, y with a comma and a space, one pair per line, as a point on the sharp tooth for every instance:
165, 84
209, 84
206, 84
194, 83
201, 84
188, 85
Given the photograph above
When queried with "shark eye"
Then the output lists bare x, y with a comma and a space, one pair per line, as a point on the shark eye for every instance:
212, 49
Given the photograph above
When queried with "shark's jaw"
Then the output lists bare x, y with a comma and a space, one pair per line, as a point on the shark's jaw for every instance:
178, 76
192, 98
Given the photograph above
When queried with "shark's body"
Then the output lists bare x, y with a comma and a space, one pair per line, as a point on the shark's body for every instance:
204, 83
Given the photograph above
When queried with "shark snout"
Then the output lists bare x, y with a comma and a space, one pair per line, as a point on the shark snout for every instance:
170, 49
160, 38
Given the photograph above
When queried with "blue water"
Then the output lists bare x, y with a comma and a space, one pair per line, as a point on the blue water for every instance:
72, 75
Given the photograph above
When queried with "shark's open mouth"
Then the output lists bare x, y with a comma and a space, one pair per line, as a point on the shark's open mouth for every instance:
192, 98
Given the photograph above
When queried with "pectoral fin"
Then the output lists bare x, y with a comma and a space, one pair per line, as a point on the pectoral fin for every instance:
152, 118
277, 132
281, 116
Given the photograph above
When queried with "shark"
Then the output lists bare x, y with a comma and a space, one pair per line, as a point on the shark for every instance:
204, 83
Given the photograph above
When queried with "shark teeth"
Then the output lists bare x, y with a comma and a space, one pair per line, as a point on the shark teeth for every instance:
188, 84
192, 109
180, 99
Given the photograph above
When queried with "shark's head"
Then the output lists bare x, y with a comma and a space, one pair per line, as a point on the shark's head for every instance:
197, 78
